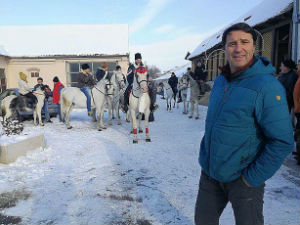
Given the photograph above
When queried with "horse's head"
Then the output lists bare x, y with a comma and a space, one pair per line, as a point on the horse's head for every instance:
119, 77
110, 84
184, 81
141, 77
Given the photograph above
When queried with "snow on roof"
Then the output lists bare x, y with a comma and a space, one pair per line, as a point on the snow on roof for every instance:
65, 40
259, 14
179, 71
2, 51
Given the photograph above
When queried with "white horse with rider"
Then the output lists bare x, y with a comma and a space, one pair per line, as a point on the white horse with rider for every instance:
72, 97
139, 102
168, 94
195, 95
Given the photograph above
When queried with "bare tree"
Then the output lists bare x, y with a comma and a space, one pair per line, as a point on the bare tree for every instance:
153, 71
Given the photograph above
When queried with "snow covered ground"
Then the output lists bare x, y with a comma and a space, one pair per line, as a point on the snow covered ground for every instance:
89, 177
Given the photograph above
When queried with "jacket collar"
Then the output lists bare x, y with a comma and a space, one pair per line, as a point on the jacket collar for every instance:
258, 65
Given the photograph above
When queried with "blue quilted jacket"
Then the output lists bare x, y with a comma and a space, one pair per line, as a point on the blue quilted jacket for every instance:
248, 129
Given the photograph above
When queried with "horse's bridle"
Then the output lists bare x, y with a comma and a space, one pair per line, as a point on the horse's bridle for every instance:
139, 83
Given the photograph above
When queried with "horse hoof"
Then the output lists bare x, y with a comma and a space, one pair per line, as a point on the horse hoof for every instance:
128, 121
197, 118
119, 123
135, 141
70, 127
148, 140
42, 124
99, 129
190, 117
140, 131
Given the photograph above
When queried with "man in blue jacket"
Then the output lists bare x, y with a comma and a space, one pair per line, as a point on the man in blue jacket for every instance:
248, 133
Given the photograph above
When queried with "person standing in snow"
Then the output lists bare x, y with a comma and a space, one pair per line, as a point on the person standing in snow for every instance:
248, 133
48, 93
296, 96
56, 95
288, 79
85, 83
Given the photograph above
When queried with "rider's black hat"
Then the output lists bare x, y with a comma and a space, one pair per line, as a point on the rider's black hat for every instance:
39, 78
85, 66
137, 56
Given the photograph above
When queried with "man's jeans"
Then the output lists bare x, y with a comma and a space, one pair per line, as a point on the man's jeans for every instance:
45, 110
58, 111
213, 196
85, 91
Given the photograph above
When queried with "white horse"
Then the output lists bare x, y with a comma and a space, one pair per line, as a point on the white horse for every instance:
12, 104
183, 87
169, 94
194, 96
72, 97
139, 102
118, 96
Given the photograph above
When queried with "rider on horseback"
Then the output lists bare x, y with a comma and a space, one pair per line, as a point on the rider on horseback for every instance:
24, 89
85, 83
130, 77
200, 76
173, 82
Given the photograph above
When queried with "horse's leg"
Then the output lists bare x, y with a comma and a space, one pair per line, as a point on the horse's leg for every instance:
128, 116
118, 113
39, 113
192, 109
134, 126
101, 118
94, 115
67, 119
147, 113
140, 122
197, 109
34, 117
167, 104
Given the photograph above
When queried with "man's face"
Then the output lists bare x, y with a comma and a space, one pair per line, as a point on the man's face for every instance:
138, 61
40, 81
239, 49
284, 69
199, 64
87, 70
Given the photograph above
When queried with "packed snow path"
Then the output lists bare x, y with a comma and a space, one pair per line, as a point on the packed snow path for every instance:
89, 177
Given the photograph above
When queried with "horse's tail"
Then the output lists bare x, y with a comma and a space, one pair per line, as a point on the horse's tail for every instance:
63, 105
3, 111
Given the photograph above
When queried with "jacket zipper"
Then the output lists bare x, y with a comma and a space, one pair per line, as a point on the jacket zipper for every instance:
211, 154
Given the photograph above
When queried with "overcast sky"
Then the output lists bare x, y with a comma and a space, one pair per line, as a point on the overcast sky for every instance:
162, 30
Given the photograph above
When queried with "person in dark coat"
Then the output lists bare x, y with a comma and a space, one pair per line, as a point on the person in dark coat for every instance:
85, 83
101, 71
288, 79
58, 86
48, 93
173, 82
200, 76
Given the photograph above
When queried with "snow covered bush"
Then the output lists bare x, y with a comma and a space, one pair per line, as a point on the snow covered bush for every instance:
12, 127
